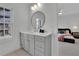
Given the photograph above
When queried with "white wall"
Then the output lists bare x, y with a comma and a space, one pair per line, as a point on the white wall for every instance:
20, 23
69, 22
70, 16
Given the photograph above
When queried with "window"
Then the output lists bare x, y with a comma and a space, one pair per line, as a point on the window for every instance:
5, 20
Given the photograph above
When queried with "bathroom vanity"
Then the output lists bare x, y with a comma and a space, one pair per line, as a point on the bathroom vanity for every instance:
36, 44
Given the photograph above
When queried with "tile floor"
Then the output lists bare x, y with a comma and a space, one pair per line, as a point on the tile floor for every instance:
19, 52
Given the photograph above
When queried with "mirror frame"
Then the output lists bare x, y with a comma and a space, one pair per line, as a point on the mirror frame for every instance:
42, 14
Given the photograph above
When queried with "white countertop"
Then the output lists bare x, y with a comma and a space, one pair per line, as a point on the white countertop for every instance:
37, 33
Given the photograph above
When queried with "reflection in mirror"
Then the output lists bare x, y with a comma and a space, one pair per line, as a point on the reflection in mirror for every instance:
38, 20
68, 29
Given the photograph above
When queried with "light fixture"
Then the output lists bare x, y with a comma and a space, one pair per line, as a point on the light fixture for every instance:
32, 8
35, 6
39, 4
75, 27
60, 12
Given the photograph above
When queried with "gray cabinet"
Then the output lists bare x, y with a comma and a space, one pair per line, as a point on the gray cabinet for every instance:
39, 46
24, 41
43, 45
27, 43
31, 44
36, 45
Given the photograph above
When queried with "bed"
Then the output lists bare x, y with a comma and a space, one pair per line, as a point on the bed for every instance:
66, 48
65, 35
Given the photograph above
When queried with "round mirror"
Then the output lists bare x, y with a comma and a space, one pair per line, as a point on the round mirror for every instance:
38, 20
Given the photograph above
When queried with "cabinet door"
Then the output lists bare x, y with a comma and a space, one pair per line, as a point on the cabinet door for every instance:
26, 43
22, 40
31, 44
39, 46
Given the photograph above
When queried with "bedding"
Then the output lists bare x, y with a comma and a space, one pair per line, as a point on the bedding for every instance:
66, 38
64, 35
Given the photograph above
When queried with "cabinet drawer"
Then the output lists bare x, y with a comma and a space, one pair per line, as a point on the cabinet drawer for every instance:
39, 49
39, 38
24, 36
31, 36
39, 44
38, 53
